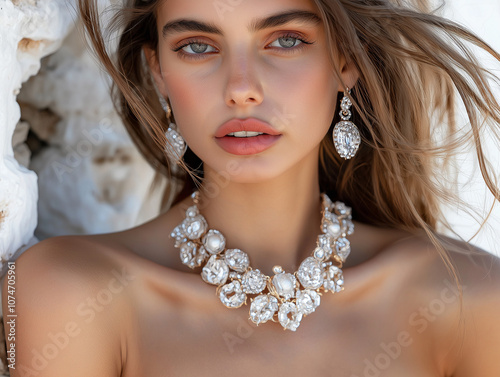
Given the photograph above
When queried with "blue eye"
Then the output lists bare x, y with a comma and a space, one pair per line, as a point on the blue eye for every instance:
286, 43
197, 48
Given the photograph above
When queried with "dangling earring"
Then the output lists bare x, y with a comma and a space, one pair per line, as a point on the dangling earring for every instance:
346, 135
176, 146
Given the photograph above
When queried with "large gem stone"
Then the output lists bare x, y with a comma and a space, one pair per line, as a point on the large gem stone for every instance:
289, 316
254, 281
214, 241
346, 138
310, 273
237, 260
191, 255
334, 279
285, 285
263, 308
231, 295
215, 271
178, 235
343, 248
194, 227
308, 301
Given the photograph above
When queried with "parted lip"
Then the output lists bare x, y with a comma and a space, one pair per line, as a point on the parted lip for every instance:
249, 124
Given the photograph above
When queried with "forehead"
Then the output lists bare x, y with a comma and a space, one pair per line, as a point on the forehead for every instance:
228, 12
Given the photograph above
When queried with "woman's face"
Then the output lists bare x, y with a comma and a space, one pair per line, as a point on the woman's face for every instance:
261, 61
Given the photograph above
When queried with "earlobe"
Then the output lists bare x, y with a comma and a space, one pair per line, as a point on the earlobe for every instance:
154, 67
350, 75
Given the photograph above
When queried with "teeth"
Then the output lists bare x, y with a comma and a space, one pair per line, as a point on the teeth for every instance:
245, 134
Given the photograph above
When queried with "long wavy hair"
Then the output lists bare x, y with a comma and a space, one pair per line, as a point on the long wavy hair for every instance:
412, 65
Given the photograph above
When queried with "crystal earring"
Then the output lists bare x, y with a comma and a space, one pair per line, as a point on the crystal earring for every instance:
346, 135
175, 146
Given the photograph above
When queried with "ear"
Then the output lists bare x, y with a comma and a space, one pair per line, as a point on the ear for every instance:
349, 74
155, 68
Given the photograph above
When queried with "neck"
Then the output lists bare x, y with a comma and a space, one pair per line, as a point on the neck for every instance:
275, 222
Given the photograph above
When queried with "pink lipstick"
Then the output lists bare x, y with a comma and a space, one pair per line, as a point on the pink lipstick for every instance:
246, 136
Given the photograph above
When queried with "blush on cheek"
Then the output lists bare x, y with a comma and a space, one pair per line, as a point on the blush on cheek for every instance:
182, 98
190, 112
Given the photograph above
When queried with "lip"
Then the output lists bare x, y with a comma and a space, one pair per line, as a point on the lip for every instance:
246, 145
250, 124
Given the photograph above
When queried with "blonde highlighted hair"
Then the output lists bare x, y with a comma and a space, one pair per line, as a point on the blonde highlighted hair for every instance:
412, 64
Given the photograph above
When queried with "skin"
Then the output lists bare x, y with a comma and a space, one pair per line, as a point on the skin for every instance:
246, 78
398, 314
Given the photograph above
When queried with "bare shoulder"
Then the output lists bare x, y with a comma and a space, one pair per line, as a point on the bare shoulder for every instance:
476, 269
70, 310
479, 272
465, 321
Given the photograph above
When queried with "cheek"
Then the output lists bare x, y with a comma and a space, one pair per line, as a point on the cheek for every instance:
189, 105
309, 86
322, 98
187, 102
181, 97
313, 100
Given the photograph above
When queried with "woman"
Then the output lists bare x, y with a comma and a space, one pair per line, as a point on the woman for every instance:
256, 89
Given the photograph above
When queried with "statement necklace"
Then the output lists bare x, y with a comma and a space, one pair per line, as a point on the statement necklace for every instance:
289, 297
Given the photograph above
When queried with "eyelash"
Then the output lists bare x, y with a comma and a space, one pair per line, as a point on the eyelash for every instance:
182, 54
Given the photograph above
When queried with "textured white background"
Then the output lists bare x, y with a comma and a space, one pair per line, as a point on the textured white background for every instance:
483, 17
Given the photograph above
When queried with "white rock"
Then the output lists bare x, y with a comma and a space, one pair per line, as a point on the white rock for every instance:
29, 30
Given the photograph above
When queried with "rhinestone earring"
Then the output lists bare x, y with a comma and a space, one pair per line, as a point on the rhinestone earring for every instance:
175, 146
346, 135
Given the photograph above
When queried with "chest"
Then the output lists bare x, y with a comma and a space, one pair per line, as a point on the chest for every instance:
376, 337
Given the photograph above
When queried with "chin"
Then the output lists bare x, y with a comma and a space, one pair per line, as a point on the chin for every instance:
252, 178
250, 170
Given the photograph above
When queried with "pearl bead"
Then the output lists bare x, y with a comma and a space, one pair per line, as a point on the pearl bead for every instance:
334, 229
277, 269
214, 242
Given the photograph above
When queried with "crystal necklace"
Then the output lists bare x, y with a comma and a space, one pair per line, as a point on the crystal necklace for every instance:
289, 297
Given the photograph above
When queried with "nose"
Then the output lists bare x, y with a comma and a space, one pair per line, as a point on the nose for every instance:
243, 87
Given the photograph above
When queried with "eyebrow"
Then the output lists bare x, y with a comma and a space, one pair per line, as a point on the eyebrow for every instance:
275, 20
